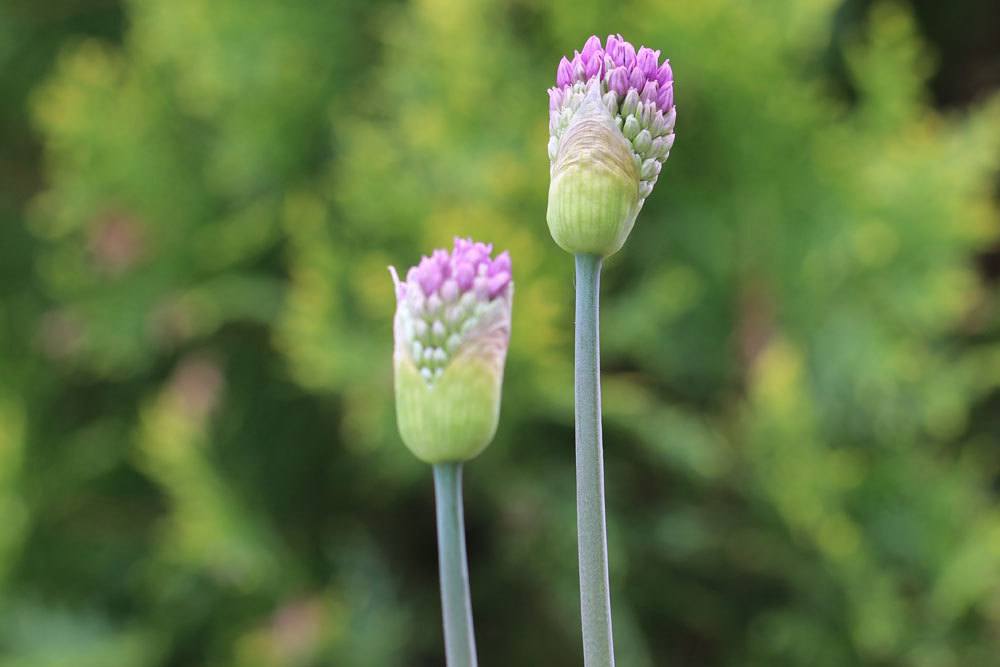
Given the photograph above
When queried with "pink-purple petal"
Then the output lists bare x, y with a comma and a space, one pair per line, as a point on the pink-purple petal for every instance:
645, 60
618, 81
665, 99
464, 275
595, 66
592, 47
501, 264
614, 48
628, 56
498, 283
649, 92
664, 74
564, 74
636, 80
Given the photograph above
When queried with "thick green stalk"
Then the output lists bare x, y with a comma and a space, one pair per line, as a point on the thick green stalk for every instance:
456, 601
595, 589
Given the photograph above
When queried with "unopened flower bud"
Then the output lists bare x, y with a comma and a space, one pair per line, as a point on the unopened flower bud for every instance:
611, 121
452, 329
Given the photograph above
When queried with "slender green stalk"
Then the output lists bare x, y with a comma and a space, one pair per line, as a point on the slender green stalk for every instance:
456, 601
595, 589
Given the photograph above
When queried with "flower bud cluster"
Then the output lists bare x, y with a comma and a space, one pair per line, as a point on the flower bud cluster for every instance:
447, 299
637, 90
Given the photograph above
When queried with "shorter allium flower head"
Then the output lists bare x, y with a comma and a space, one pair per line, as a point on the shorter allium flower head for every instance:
452, 329
611, 125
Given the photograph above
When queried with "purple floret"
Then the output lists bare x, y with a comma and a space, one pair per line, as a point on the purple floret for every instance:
620, 67
637, 89
450, 298
467, 268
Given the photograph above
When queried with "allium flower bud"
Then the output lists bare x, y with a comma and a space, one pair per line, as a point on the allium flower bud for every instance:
611, 126
452, 329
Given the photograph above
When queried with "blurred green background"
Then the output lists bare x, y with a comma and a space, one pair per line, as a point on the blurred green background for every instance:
199, 464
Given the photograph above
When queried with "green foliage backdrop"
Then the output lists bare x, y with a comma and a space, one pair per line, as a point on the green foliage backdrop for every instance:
198, 456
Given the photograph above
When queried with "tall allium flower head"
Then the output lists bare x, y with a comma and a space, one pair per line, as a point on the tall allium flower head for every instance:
611, 125
452, 329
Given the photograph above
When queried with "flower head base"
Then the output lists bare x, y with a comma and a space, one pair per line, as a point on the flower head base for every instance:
452, 329
611, 116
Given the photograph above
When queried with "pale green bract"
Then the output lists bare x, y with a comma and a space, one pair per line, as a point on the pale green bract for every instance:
594, 192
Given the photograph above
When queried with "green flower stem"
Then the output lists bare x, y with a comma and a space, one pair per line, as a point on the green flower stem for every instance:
595, 589
456, 601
